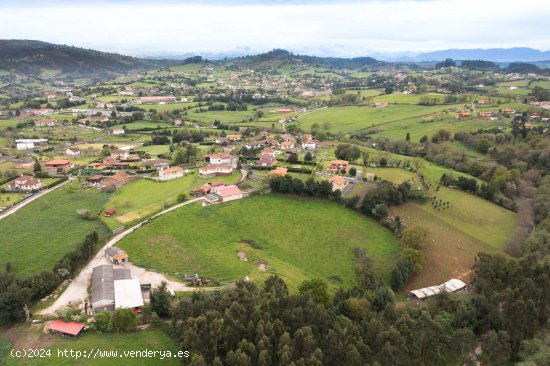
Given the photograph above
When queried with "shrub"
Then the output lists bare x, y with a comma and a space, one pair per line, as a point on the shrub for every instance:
124, 320
86, 214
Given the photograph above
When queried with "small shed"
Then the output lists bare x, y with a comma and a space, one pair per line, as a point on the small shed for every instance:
65, 328
116, 255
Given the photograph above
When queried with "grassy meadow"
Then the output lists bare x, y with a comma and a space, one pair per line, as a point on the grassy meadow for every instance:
295, 238
354, 119
39, 234
468, 226
141, 198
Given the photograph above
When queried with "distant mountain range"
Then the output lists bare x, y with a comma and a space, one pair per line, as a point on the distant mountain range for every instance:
505, 55
524, 54
34, 57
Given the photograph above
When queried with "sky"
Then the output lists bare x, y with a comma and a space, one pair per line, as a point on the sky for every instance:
315, 27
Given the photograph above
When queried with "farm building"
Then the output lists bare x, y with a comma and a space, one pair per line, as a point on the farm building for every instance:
128, 294
200, 191
29, 144
452, 285
116, 255
215, 170
338, 166
114, 288
65, 328
118, 131
116, 181
58, 167
103, 286
95, 180
25, 183
171, 173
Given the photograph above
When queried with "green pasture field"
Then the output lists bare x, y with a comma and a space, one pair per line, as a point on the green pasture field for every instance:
296, 238
155, 150
151, 339
459, 232
10, 199
114, 98
355, 119
144, 124
366, 92
518, 83
168, 106
5, 123
188, 68
400, 98
542, 83
141, 198
223, 116
62, 133
418, 127
39, 234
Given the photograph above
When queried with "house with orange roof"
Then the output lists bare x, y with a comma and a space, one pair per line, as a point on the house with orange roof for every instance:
116, 255
278, 172
287, 145
223, 158
338, 183
227, 193
116, 181
171, 173
234, 137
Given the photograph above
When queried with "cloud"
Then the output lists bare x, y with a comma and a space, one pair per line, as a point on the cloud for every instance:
313, 27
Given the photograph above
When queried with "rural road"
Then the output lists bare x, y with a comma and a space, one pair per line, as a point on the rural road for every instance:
77, 290
25, 202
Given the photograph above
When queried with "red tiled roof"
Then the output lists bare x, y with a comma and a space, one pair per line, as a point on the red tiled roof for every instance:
71, 328
228, 191
58, 162
338, 180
